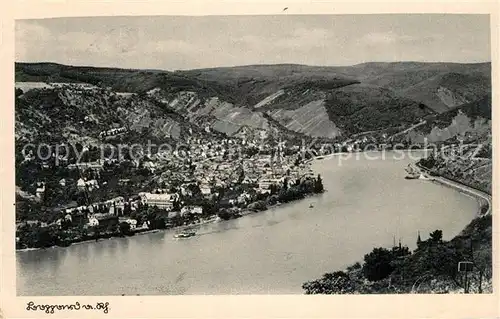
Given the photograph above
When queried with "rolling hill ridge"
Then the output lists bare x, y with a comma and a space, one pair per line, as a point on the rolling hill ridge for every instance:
314, 101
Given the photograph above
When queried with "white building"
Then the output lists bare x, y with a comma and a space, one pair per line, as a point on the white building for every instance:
162, 201
40, 190
243, 198
151, 166
191, 210
185, 191
90, 185
205, 189
267, 182
132, 222
93, 222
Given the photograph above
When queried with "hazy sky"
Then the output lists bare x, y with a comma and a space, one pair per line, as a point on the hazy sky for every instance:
174, 42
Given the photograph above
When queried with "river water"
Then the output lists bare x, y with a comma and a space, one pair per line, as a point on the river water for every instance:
368, 203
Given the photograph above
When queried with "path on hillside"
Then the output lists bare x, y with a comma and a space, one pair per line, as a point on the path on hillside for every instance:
409, 129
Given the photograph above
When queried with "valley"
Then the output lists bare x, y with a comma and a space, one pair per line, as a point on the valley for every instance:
237, 140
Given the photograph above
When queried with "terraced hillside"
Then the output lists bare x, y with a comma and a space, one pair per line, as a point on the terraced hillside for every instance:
308, 100
74, 114
471, 120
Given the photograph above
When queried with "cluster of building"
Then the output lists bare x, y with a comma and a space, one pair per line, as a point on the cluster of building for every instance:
112, 132
204, 164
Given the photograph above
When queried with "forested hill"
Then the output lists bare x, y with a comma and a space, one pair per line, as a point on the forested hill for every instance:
316, 101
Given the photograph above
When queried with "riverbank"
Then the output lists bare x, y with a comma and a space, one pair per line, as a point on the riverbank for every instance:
91, 239
112, 236
482, 197
86, 241
285, 193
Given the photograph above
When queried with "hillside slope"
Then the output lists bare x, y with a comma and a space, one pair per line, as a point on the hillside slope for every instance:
397, 76
75, 114
309, 100
446, 91
471, 120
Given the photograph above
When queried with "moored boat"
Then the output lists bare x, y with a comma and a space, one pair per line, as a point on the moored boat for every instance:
412, 176
412, 172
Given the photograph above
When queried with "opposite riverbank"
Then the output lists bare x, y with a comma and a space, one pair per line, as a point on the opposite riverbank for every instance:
45, 237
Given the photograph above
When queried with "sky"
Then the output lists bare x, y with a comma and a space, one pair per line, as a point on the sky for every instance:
181, 42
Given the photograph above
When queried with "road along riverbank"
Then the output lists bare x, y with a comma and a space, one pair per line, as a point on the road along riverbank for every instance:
483, 198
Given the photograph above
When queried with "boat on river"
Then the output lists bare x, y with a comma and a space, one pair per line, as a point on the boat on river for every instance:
412, 172
412, 176
185, 235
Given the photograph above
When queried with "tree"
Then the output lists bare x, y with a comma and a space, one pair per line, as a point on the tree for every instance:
258, 206
176, 205
297, 161
318, 185
354, 266
436, 236
19, 92
241, 176
44, 237
195, 190
400, 251
125, 228
285, 184
330, 283
377, 264
228, 214
160, 223
273, 189
483, 263
111, 226
273, 199
127, 209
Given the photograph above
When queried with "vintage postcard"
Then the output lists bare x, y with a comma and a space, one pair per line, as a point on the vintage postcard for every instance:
283, 159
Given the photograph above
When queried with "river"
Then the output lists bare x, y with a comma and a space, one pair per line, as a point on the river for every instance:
368, 203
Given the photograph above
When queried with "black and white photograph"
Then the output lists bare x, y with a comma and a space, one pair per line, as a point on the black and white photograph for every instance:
277, 154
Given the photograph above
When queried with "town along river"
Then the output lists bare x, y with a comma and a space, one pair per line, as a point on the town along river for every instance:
367, 205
